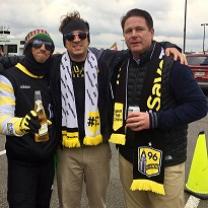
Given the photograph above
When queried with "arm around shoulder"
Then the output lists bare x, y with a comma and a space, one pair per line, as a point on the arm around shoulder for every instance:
9, 61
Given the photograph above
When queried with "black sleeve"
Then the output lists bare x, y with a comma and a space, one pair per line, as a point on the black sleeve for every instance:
1, 67
9, 61
166, 44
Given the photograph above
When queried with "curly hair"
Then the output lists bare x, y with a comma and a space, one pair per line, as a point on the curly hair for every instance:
65, 19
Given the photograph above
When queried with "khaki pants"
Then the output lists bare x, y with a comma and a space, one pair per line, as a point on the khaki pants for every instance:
88, 164
173, 182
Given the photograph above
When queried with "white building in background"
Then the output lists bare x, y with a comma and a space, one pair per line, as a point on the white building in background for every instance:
8, 44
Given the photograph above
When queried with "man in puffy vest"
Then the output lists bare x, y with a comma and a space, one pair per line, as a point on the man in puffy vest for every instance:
30, 163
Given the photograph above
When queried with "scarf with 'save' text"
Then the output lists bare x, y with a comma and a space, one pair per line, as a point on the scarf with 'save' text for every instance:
148, 151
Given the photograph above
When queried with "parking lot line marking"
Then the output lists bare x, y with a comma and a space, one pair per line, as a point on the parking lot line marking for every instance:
192, 202
2, 152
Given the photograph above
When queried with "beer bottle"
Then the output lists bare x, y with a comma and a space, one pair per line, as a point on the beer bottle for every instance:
42, 134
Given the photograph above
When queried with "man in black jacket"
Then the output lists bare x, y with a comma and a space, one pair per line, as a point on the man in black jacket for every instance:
155, 99
30, 162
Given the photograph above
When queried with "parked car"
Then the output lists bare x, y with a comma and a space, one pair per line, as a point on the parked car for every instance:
198, 62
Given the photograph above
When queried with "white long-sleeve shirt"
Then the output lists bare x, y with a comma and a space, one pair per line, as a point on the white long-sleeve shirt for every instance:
7, 107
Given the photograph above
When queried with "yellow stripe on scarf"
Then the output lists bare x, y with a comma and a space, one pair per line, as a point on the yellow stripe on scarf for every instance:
147, 185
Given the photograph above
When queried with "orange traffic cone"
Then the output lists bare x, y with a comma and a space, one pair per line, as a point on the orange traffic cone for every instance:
197, 183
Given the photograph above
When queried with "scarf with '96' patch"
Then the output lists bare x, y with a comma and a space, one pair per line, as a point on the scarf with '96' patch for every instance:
148, 151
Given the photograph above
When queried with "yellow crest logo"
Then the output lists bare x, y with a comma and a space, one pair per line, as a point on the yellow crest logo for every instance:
149, 161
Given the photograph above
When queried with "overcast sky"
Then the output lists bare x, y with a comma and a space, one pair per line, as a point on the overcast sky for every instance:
104, 16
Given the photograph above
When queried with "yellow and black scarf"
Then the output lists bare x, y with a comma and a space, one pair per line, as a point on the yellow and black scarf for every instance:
148, 169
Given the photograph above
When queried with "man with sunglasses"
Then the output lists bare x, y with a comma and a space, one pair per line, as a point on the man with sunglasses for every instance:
81, 117
30, 163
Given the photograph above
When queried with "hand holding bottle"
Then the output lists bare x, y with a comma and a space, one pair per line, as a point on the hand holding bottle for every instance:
30, 123
26, 124
35, 121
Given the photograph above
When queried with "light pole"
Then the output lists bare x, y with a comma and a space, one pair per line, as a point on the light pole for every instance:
204, 25
184, 29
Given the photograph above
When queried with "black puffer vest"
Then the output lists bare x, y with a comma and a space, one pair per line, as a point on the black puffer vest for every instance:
25, 148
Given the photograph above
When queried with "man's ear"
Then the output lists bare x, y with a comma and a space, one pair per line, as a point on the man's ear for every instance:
152, 31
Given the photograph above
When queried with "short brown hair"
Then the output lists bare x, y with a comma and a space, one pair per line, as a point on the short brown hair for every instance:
138, 13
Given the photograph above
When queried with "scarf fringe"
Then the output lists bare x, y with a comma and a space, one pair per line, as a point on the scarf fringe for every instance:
118, 139
70, 139
71, 143
93, 140
147, 185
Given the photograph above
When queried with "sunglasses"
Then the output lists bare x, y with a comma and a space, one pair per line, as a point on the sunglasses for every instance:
71, 36
38, 44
